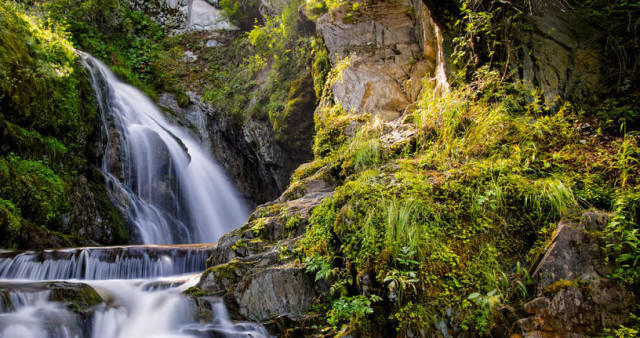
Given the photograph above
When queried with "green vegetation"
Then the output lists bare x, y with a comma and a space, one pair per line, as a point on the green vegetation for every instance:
46, 128
266, 71
110, 30
442, 218
486, 32
243, 14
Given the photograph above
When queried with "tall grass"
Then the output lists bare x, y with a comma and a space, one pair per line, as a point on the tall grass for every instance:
626, 160
402, 229
551, 196
453, 128
365, 147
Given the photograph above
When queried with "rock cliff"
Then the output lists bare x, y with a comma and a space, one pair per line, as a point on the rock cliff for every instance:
386, 57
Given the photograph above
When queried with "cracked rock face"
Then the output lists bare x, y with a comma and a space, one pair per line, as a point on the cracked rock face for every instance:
249, 152
561, 53
390, 50
574, 297
283, 290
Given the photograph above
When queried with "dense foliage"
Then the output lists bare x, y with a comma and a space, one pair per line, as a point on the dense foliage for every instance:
46, 129
110, 30
488, 32
455, 215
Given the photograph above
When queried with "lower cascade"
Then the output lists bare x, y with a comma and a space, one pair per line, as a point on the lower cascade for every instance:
172, 192
129, 308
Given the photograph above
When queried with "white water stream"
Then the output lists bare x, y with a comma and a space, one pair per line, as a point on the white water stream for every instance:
162, 178
172, 192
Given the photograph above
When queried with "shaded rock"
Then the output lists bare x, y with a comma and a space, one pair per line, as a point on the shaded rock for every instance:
193, 116
295, 126
574, 296
283, 290
93, 215
294, 326
258, 165
77, 297
573, 254
561, 53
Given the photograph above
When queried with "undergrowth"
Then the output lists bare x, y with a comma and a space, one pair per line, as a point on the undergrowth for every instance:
455, 215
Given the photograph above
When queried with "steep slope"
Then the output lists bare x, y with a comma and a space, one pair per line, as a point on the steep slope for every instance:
51, 192
436, 212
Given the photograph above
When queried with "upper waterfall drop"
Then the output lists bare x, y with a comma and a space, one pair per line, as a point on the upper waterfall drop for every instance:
169, 187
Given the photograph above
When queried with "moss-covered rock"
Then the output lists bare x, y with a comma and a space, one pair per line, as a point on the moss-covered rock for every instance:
76, 297
49, 130
294, 127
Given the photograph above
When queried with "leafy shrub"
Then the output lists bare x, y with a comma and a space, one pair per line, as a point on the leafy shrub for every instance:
349, 310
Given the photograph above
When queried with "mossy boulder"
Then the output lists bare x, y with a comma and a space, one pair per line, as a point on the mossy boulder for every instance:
77, 297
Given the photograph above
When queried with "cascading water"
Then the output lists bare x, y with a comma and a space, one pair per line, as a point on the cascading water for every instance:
170, 188
105, 263
172, 192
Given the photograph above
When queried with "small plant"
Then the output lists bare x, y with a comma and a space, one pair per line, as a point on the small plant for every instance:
551, 195
406, 277
623, 242
626, 331
350, 310
626, 159
365, 147
489, 301
320, 267
400, 226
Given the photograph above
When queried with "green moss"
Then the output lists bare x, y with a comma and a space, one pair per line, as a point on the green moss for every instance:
9, 219
47, 130
294, 123
35, 188
225, 271
195, 291
112, 215
76, 297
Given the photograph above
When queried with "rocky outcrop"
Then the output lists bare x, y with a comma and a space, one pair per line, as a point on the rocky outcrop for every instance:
574, 296
249, 152
561, 52
253, 270
181, 16
284, 289
76, 297
93, 215
391, 47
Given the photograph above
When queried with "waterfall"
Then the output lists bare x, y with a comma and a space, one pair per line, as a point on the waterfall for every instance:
104, 263
132, 309
170, 188
172, 192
